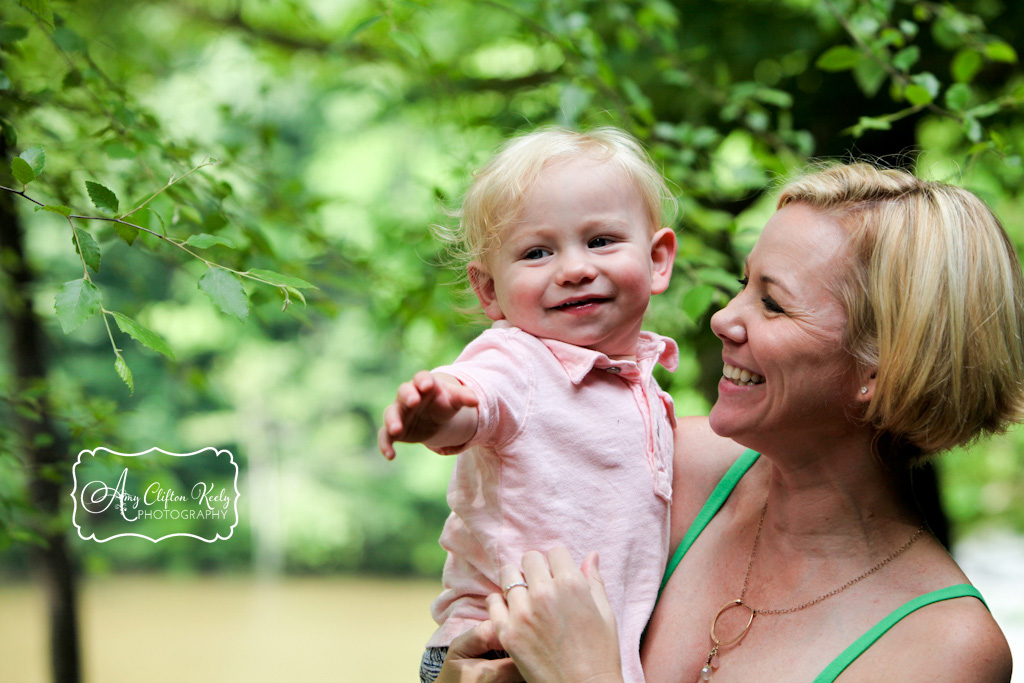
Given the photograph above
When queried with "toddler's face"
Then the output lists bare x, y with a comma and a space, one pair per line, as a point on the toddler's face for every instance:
581, 263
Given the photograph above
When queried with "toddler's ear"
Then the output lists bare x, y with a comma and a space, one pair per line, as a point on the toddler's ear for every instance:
663, 257
483, 286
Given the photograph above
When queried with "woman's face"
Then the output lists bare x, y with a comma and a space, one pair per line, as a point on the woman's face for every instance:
785, 372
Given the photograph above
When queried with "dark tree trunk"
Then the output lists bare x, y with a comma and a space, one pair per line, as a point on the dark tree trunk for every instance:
45, 448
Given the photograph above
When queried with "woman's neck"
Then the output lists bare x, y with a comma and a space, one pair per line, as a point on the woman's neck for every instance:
834, 499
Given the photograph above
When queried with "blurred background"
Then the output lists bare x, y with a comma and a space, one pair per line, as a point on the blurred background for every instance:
293, 154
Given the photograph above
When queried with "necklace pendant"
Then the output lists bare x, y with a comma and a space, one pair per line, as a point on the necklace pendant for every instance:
710, 665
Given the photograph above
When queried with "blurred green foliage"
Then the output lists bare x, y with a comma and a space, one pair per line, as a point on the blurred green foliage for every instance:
342, 131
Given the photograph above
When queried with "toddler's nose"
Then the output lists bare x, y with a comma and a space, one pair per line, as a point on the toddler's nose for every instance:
575, 268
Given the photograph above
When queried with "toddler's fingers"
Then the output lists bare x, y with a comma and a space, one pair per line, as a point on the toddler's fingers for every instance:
409, 395
463, 397
393, 422
384, 442
424, 382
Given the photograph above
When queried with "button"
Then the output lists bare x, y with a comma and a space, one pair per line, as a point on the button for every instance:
614, 370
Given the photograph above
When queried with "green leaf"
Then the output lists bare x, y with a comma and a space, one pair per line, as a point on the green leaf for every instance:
957, 96
870, 75
984, 110
966, 65
998, 51
72, 79
362, 26
5, 81
40, 8
12, 33
839, 58
21, 171
56, 208
697, 301
972, 128
296, 293
102, 198
142, 334
76, 302
928, 81
918, 94
36, 158
226, 291
68, 40
126, 232
869, 123
205, 241
281, 280
906, 58
124, 373
87, 247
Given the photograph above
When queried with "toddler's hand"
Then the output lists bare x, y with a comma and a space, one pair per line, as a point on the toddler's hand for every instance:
423, 408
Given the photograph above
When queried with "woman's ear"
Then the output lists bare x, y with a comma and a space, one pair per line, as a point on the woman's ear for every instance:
867, 386
483, 287
663, 257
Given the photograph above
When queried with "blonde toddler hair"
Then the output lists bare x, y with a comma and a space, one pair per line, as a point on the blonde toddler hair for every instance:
495, 198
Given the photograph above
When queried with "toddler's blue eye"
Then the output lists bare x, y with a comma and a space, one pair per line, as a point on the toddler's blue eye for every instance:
599, 242
534, 254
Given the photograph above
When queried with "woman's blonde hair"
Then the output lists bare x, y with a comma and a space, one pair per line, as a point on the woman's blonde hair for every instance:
935, 299
495, 198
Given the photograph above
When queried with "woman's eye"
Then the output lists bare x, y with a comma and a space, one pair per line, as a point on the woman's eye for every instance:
537, 253
743, 281
770, 305
599, 242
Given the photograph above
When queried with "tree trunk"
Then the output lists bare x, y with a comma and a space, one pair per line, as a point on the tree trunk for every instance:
45, 448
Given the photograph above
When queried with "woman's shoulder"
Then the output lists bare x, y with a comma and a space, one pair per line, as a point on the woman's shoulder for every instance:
701, 456
952, 640
701, 460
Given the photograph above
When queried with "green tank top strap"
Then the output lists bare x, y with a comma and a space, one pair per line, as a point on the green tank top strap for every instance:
711, 507
858, 647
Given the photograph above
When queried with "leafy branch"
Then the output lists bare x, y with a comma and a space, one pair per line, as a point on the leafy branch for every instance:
920, 90
79, 300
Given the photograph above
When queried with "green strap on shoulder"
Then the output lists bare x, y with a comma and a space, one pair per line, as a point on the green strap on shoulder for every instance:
858, 647
711, 507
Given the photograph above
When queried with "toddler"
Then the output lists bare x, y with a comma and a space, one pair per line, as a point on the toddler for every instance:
564, 437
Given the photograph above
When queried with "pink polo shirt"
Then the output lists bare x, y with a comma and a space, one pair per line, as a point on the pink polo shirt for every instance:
572, 448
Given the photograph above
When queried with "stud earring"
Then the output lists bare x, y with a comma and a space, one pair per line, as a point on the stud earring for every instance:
863, 390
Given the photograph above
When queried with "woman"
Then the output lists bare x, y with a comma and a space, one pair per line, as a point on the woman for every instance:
881, 321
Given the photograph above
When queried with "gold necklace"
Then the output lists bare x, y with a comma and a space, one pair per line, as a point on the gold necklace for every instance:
712, 661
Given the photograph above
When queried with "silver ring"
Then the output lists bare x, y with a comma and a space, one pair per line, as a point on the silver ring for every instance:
512, 585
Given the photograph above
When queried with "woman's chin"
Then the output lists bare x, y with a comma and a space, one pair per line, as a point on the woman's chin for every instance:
719, 423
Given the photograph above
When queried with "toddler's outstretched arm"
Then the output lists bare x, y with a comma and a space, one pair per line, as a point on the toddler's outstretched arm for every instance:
432, 408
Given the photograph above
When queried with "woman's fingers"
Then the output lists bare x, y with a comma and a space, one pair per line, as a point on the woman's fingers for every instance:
559, 627
513, 584
597, 588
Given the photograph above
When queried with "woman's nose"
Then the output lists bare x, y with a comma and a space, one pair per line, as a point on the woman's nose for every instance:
727, 324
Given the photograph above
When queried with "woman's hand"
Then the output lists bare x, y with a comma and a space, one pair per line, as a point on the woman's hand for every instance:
462, 665
559, 628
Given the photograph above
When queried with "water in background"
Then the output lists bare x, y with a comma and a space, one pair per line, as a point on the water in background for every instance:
169, 629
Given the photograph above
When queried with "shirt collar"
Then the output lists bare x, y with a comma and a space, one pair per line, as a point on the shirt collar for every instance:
651, 348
